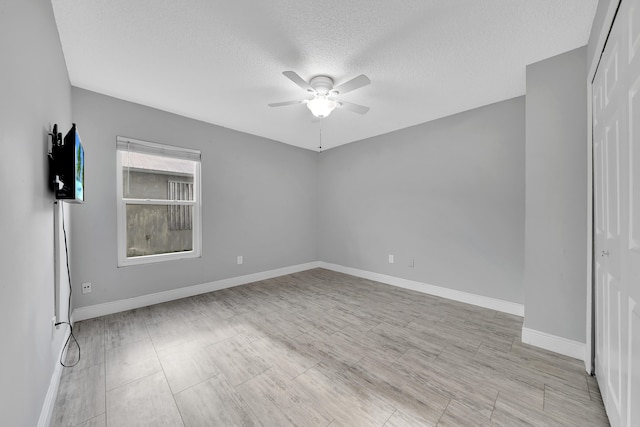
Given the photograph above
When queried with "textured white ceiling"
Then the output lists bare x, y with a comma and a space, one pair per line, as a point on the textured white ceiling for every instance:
222, 61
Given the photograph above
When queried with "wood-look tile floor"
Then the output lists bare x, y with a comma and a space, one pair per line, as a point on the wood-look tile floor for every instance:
319, 348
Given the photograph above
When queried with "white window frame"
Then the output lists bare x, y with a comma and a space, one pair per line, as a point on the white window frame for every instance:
122, 202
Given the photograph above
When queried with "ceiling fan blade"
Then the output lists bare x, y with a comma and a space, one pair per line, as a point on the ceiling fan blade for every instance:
360, 109
353, 84
282, 104
294, 77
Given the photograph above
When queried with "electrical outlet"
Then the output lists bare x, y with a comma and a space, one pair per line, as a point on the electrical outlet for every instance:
86, 288
411, 263
240, 259
391, 259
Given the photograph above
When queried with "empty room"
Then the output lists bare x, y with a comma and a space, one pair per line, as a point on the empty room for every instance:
356, 213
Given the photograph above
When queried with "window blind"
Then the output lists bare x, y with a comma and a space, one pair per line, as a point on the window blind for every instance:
137, 146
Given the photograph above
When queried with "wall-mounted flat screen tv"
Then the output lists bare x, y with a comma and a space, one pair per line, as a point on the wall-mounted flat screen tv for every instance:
69, 160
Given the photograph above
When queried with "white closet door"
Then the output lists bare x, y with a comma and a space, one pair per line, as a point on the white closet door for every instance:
616, 143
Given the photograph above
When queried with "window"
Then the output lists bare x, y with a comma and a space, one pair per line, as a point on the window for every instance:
158, 202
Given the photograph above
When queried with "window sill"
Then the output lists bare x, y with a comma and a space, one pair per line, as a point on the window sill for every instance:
153, 259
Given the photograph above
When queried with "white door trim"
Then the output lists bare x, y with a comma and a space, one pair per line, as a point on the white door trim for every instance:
604, 32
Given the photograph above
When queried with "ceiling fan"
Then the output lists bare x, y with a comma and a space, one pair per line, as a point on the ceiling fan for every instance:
325, 95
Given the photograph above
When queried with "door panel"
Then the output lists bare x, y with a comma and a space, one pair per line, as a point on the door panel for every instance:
634, 167
634, 32
633, 391
600, 314
613, 180
611, 75
614, 345
616, 168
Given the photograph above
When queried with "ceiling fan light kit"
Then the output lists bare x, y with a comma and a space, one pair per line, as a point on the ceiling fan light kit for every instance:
321, 106
324, 94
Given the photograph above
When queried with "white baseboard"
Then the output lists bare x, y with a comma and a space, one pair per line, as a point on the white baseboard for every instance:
52, 392
452, 294
97, 310
554, 343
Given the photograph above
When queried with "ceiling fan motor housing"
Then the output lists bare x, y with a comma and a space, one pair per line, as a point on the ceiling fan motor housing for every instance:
322, 84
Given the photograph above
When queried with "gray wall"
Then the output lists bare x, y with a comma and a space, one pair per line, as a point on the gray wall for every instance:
258, 200
448, 194
35, 93
556, 196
